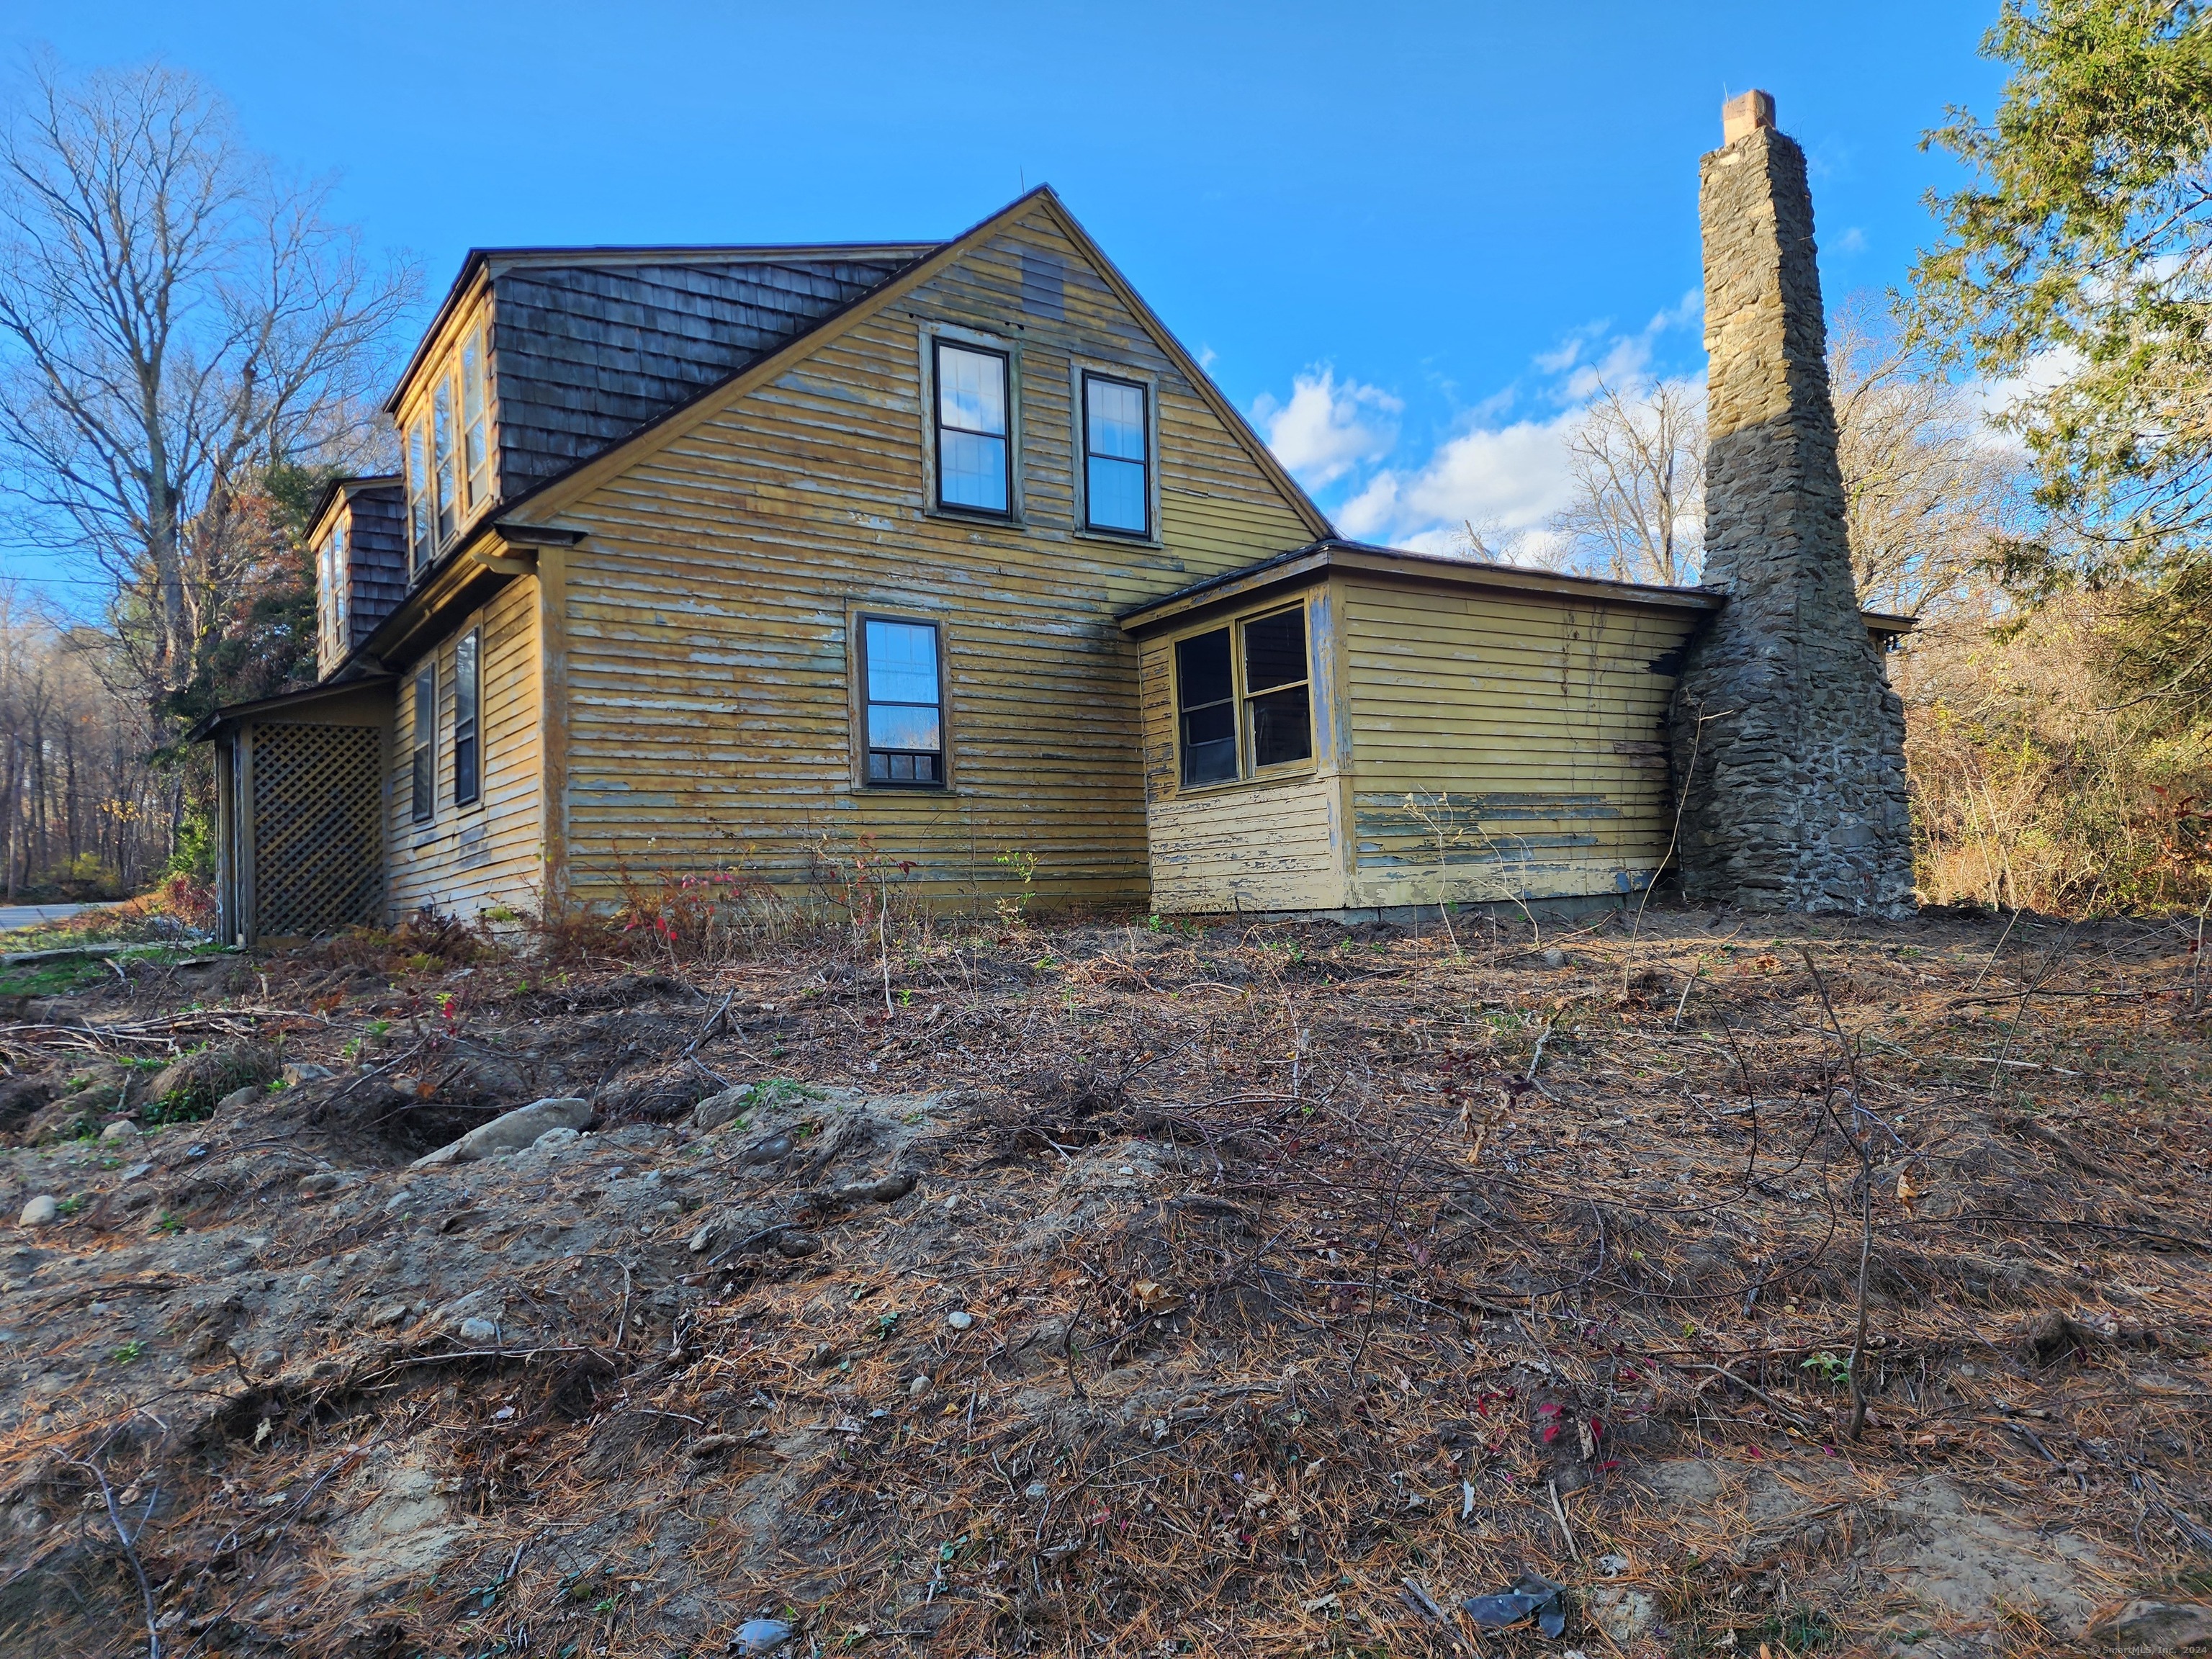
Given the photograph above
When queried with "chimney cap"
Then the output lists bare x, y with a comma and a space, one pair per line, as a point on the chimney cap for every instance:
1745, 113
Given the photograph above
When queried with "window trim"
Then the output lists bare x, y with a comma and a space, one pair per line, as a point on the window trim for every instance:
451, 489
1081, 373
857, 634
1248, 775
472, 681
422, 747
932, 335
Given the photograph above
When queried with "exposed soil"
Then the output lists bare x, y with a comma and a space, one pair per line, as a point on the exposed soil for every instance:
1122, 1289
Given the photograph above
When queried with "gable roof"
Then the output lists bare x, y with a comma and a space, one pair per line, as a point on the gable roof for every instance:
547, 499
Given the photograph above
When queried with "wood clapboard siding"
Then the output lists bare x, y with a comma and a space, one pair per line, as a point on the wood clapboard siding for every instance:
1259, 847
1505, 747
709, 706
473, 857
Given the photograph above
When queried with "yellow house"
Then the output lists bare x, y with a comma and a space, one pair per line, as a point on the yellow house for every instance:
739, 559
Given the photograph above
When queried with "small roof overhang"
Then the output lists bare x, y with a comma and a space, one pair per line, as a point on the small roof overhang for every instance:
1301, 567
239, 714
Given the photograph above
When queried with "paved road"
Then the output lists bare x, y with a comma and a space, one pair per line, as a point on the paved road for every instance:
29, 915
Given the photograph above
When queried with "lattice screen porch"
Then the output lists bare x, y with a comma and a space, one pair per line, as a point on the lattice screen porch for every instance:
318, 859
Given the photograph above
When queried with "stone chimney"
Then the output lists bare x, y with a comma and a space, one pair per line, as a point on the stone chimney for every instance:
1788, 744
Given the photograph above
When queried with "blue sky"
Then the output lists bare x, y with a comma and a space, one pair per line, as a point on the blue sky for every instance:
1399, 235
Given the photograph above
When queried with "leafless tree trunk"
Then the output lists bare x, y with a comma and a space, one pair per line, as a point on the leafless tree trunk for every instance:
1638, 458
174, 320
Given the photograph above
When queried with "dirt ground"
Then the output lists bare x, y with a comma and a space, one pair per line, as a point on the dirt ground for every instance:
1121, 1288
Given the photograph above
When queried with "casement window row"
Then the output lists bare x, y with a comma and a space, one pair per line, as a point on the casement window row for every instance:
973, 431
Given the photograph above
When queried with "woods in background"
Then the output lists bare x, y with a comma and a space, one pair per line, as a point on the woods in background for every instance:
188, 348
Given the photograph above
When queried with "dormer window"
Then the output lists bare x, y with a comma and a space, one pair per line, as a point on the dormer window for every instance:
330, 563
449, 452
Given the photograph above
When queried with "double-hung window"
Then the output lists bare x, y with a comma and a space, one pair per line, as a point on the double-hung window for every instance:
333, 573
1244, 699
973, 453
420, 547
1118, 492
422, 774
476, 426
904, 702
468, 696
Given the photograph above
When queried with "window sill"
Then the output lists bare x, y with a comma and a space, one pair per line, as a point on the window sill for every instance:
975, 516
1122, 538
1288, 772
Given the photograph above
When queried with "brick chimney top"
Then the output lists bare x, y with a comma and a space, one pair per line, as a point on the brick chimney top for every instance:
1745, 113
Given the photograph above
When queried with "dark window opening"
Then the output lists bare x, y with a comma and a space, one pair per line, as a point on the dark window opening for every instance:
468, 654
1117, 460
972, 449
1206, 702
904, 702
1277, 704
422, 783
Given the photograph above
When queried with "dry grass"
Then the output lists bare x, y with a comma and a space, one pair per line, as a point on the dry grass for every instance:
1416, 1233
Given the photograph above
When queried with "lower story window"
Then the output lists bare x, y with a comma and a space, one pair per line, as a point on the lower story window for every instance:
1243, 700
901, 671
468, 747
422, 799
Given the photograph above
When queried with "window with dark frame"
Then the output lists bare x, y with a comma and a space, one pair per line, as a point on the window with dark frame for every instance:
1243, 700
904, 699
335, 571
422, 783
1205, 703
468, 689
1278, 711
1116, 456
973, 453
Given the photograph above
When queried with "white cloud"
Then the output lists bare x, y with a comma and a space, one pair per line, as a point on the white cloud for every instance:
1851, 241
1505, 478
1327, 429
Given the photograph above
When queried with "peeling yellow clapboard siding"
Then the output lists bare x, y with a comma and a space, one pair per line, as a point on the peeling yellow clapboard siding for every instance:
707, 711
1268, 848
468, 858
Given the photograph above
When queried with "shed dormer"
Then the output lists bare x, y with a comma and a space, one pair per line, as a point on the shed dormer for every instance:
541, 358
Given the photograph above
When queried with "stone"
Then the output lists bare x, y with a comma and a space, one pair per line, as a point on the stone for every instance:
555, 1140
2147, 1626
510, 1131
239, 1099
1788, 740
918, 1387
719, 1111
390, 1313
960, 1321
478, 1330
1624, 1614
40, 1211
122, 1129
323, 1181
303, 1071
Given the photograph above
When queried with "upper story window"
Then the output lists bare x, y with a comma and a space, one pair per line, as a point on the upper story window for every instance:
1117, 458
331, 576
449, 451
973, 453
1243, 700
905, 701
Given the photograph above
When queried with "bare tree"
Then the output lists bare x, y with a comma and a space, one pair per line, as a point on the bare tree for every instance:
1928, 487
175, 321
1638, 458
